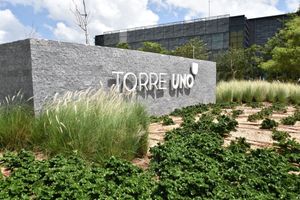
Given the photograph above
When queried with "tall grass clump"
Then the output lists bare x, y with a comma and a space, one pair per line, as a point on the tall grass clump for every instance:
94, 124
16, 123
258, 91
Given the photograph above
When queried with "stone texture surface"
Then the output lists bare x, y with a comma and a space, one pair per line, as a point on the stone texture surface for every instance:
15, 69
59, 67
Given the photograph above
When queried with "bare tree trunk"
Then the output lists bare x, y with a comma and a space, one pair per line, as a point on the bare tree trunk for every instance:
82, 19
86, 23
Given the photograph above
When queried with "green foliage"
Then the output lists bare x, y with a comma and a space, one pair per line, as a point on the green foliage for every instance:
16, 123
284, 50
123, 45
191, 110
287, 147
290, 120
239, 64
192, 163
268, 124
254, 104
267, 111
230, 64
236, 113
194, 48
297, 115
167, 121
153, 47
239, 145
257, 91
95, 124
72, 178
280, 135
164, 119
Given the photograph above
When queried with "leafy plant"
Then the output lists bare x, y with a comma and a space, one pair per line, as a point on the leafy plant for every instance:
72, 178
290, 120
282, 51
265, 112
167, 121
192, 163
236, 113
280, 135
268, 124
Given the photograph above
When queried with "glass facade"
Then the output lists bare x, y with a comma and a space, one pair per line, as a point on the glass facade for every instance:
218, 33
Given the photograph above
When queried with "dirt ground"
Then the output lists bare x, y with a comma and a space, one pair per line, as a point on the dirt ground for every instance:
258, 138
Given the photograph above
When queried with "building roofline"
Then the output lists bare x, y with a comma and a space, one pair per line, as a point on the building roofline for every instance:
168, 24
188, 21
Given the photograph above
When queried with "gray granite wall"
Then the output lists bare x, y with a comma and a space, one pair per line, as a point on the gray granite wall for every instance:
60, 67
15, 69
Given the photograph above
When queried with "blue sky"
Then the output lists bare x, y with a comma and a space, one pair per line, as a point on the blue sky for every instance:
53, 19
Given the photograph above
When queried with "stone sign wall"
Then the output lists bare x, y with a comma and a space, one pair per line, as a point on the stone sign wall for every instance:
41, 68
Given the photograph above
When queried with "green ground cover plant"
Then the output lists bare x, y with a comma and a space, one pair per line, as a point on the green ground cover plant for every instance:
287, 147
258, 91
167, 121
70, 177
236, 113
290, 120
268, 124
192, 163
93, 123
164, 119
267, 111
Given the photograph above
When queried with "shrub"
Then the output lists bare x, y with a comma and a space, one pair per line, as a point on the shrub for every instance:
236, 113
280, 135
297, 115
16, 120
164, 119
290, 120
167, 121
95, 124
268, 124
265, 112
258, 91
282, 95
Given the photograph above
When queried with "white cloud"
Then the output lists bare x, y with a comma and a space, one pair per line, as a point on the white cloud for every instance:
67, 33
105, 15
293, 5
253, 8
11, 28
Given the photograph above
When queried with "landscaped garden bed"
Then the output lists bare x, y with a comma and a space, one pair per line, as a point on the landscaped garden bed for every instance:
201, 156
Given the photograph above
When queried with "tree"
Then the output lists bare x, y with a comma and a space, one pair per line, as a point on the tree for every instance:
153, 47
82, 19
195, 48
239, 63
253, 59
231, 64
283, 50
123, 45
